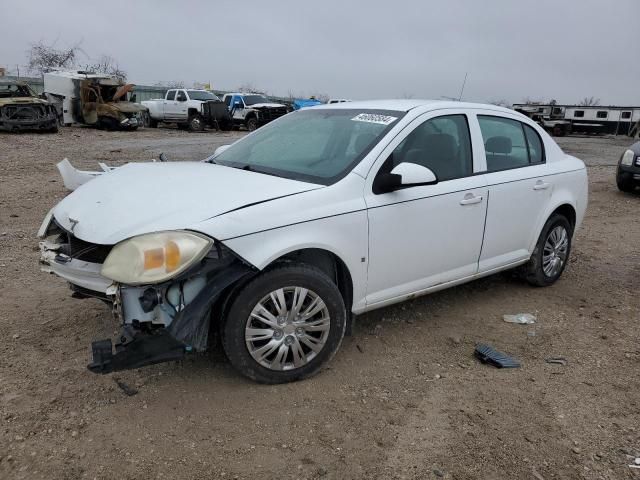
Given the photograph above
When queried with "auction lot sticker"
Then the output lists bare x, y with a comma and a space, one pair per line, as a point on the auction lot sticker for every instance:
375, 118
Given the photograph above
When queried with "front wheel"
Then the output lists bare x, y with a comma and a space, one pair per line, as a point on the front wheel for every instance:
252, 124
551, 254
285, 324
625, 182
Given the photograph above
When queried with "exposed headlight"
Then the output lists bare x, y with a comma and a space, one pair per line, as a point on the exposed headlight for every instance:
627, 158
154, 257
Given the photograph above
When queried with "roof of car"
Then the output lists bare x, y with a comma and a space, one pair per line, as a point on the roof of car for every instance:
404, 105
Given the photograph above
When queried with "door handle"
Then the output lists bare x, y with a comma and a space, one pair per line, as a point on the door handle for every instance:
540, 185
470, 199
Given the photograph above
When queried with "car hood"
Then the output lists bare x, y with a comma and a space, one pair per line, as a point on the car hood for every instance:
150, 197
22, 100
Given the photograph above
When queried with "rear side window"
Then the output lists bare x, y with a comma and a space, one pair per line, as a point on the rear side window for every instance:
227, 100
171, 94
536, 149
509, 143
441, 144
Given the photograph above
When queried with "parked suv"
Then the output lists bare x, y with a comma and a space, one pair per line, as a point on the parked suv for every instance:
628, 173
252, 110
276, 241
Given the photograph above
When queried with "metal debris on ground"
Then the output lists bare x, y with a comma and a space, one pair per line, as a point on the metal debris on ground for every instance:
557, 360
520, 318
487, 354
129, 391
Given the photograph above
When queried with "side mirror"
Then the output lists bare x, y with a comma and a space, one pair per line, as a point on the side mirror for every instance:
163, 157
404, 175
413, 174
220, 149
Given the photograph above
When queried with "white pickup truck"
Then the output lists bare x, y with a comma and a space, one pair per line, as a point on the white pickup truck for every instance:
188, 108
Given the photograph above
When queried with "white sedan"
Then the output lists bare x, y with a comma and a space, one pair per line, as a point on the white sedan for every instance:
278, 240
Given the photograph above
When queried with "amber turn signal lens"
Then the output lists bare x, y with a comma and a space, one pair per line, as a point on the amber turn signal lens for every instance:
153, 258
172, 256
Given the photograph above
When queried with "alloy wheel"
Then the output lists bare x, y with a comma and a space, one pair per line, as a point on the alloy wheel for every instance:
287, 328
555, 250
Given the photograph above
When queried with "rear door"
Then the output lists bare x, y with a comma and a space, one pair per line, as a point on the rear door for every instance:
519, 188
170, 105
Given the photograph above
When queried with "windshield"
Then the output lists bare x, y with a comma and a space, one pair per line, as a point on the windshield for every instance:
201, 95
253, 99
318, 146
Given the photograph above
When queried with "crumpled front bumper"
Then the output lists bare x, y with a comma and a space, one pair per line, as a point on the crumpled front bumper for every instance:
160, 322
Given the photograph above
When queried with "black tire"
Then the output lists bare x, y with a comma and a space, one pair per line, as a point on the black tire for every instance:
225, 124
625, 182
251, 123
149, 122
533, 271
283, 276
53, 129
196, 123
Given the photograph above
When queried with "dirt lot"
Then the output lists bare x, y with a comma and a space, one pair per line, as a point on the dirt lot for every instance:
404, 397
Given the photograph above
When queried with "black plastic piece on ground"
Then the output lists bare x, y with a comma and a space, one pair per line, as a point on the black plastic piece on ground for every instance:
487, 354
143, 349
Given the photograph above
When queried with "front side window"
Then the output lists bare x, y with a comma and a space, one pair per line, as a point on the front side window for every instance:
171, 95
441, 144
578, 114
505, 145
181, 97
318, 146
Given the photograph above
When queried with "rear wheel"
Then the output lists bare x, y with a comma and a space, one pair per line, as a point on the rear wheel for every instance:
285, 324
148, 121
551, 254
196, 123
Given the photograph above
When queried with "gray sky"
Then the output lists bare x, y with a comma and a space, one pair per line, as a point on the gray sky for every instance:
511, 49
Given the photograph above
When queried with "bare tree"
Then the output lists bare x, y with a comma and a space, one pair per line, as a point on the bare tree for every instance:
407, 96
249, 87
589, 102
500, 103
44, 58
322, 97
533, 101
171, 84
107, 65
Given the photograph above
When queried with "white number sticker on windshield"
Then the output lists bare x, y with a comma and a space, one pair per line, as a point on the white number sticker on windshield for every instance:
375, 118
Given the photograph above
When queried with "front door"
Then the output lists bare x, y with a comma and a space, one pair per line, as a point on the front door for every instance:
423, 236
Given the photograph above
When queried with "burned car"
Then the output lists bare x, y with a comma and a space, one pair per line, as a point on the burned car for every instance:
103, 101
22, 109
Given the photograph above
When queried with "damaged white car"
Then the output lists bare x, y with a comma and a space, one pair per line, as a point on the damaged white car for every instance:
278, 240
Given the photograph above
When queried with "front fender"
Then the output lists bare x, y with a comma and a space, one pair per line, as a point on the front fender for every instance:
343, 235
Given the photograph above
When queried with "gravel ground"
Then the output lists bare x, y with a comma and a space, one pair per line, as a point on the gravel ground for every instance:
404, 397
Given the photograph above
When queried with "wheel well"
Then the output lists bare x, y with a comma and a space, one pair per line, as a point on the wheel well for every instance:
249, 116
330, 264
326, 261
568, 212
193, 111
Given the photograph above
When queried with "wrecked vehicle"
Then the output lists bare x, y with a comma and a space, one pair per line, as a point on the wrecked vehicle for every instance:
274, 243
87, 98
22, 109
189, 108
252, 110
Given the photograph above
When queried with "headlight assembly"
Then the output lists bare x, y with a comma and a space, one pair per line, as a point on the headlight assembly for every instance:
155, 257
627, 158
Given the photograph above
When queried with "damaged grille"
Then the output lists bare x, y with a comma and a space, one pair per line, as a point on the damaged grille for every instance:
79, 249
268, 114
25, 112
